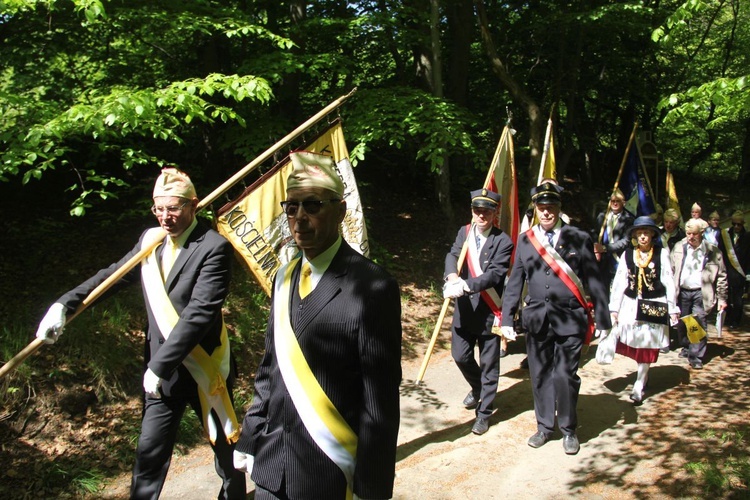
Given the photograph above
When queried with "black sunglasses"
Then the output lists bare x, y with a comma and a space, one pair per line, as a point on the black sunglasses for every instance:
311, 207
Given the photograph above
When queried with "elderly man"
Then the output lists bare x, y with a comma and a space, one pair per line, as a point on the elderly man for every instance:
324, 419
672, 231
185, 280
556, 261
735, 247
701, 281
612, 226
477, 292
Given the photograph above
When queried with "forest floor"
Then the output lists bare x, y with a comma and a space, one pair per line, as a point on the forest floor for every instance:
688, 435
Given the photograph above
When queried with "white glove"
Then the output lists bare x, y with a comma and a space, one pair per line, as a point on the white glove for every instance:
602, 333
508, 332
151, 383
52, 324
454, 289
747, 277
243, 462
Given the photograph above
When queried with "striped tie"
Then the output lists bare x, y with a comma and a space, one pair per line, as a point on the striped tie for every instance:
305, 282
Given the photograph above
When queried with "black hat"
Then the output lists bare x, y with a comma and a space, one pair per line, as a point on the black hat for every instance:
644, 222
484, 198
546, 193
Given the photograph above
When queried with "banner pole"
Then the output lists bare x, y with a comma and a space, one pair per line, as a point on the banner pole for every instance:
147, 248
617, 181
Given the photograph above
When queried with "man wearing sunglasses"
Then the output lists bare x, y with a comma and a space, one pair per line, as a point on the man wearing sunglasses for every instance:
735, 248
477, 288
185, 280
324, 419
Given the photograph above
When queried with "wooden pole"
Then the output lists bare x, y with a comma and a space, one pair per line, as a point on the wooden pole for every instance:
148, 247
617, 181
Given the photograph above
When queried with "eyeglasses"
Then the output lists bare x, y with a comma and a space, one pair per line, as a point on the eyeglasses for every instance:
172, 210
311, 207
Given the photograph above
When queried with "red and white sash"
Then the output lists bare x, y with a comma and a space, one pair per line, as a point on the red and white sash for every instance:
567, 275
490, 296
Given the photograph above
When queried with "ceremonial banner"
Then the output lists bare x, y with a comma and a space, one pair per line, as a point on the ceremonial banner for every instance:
672, 194
548, 168
502, 180
634, 184
256, 225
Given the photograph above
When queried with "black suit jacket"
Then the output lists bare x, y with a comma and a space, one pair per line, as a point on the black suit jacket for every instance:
471, 310
742, 251
349, 329
548, 297
618, 240
197, 285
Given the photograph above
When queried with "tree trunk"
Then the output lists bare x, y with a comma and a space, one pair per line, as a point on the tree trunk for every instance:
519, 93
443, 186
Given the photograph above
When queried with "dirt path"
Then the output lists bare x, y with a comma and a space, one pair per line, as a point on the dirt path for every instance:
626, 451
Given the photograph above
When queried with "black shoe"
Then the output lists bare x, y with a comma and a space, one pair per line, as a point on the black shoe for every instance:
570, 444
637, 399
684, 353
696, 364
470, 401
525, 363
664, 350
538, 439
503, 353
481, 424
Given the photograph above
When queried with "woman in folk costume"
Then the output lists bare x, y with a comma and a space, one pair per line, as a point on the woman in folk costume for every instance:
644, 273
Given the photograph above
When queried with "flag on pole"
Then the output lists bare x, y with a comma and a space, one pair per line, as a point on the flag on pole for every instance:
548, 168
634, 184
256, 226
671, 194
502, 180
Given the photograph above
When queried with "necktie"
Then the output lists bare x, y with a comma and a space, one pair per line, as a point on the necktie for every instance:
169, 255
550, 237
305, 282
479, 242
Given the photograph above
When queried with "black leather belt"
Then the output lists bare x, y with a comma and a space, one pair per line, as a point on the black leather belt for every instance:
689, 289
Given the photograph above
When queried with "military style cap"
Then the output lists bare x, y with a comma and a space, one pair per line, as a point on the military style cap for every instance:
173, 182
314, 170
484, 198
546, 193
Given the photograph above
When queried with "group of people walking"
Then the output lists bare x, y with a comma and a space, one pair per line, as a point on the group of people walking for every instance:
324, 419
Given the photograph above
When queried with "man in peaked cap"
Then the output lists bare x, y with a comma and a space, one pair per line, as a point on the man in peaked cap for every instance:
555, 260
477, 288
324, 419
185, 280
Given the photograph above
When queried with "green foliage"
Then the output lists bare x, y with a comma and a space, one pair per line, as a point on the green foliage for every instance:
729, 473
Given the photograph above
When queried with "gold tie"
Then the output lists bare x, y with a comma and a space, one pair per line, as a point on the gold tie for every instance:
305, 282
168, 257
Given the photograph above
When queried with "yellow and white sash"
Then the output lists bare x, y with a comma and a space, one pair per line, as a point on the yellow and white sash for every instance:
731, 255
210, 372
322, 420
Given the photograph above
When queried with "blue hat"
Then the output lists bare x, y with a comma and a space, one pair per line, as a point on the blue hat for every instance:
484, 198
644, 222
546, 193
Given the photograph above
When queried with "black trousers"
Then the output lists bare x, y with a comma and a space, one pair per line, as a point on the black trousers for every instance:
553, 367
161, 419
482, 376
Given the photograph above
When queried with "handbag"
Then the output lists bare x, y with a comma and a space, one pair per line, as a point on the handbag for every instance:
652, 311
605, 351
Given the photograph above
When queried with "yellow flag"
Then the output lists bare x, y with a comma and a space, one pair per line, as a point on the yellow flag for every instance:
548, 169
672, 194
695, 331
256, 226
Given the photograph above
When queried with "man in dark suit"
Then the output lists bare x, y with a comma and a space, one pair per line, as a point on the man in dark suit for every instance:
613, 226
556, 261
325, 415
735, 247
185, 280
477, 288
